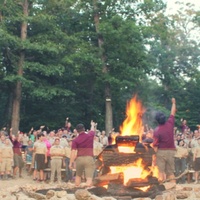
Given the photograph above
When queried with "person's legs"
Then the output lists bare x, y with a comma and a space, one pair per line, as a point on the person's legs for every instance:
183, 168
77, 180
79, 170
177, 166
196, 176
161, 163
89, 170
53, 170
170, 168
20, 172
41, 175
58, 169
68, 170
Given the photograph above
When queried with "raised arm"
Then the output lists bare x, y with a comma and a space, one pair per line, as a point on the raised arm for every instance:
173, 108
93, 126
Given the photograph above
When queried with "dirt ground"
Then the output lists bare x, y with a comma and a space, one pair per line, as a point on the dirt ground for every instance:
27, 179
17, 181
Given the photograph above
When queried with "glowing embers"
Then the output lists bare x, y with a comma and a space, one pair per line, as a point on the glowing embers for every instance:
135, 173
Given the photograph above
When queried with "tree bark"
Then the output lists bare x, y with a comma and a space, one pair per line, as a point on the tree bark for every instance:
18, 88
108, 99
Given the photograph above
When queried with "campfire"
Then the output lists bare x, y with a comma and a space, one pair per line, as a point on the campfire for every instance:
126, 165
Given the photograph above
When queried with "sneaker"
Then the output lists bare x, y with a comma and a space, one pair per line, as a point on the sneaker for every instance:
196, 182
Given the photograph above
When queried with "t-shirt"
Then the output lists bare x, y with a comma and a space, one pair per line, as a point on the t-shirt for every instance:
6, 151
164, 135
58, 150
28, 151
84, 144
40, 147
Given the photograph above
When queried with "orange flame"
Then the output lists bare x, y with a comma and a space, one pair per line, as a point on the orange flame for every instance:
133, 170
132, 125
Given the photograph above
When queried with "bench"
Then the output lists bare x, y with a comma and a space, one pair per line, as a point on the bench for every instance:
49, 170
190, 175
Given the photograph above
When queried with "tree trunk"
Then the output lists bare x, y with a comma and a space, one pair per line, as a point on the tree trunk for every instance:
108, 99
18, 89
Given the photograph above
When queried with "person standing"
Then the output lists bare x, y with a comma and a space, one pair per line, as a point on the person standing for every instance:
29, 156
164, 144
181, 160
6, 159
82, 153
18, 160
57, 153
67, 161
40, 150
104, 139
196, 160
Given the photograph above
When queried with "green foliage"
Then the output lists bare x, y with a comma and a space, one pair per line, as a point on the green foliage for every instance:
146, 53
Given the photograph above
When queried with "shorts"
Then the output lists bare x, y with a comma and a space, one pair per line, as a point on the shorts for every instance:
165, 161
28, 159
197, 164
85, 164
18, 161
40, 162
6, 165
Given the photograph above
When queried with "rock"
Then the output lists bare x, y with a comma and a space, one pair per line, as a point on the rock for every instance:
71, 197
50, 194
182, 195
196, 189
96, 197
61, 194
159, 197
22, 196
82, 194
197, 194
169, 185
187, 188
35, 195
168, 196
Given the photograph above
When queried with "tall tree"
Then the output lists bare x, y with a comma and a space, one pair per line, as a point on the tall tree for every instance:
18, 88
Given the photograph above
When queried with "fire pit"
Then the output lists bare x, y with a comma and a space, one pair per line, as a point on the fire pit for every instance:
126, 165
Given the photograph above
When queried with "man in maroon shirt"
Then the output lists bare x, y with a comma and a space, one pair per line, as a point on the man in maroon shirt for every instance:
18, 160
164, 144
82, 153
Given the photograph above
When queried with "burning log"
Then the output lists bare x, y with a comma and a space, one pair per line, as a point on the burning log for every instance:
118, 159
107, 178
139, 182
110, 177
124, 140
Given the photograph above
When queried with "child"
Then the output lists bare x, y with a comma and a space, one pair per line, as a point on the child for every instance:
29, 156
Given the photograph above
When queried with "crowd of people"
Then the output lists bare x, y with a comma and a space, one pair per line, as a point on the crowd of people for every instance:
75, 151
39, 150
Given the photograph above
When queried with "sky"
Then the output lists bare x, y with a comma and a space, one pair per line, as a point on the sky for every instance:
172, 7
